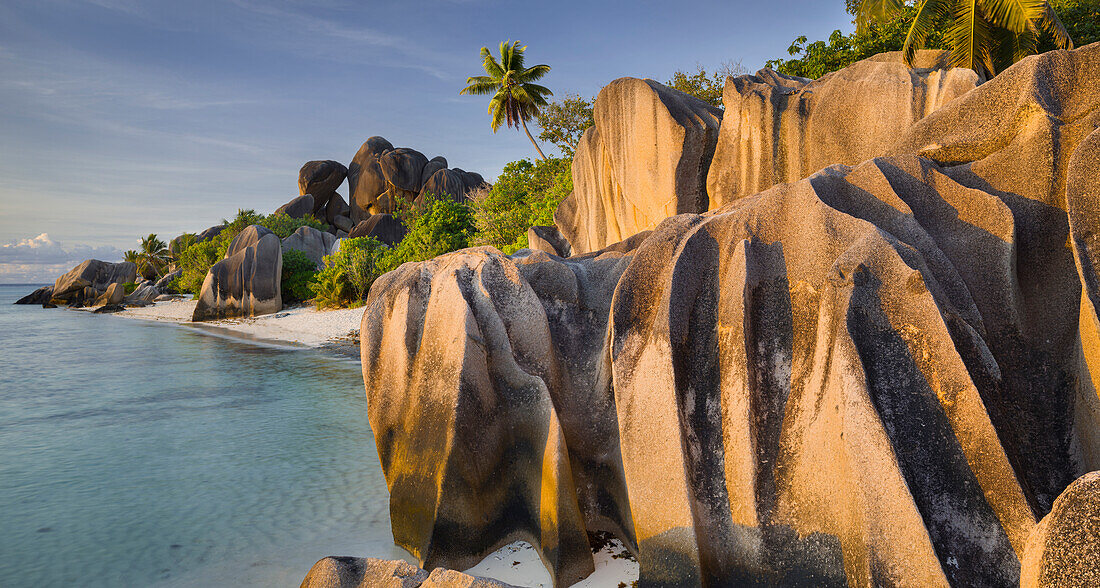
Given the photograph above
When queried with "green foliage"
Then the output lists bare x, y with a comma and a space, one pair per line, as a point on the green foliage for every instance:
348, 273
177, 245
984, 35
298, 271
564, 122
524, 195
1081, 19
442, 226
195, 262
128, 288
283, 225
704, 86
516, 98
813, 60
153, 257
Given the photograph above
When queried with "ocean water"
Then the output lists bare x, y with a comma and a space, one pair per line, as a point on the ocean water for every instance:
145, 454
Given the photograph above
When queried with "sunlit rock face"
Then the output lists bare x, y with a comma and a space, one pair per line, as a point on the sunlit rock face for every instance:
1065, 547
780, 128
645, 159
881, 374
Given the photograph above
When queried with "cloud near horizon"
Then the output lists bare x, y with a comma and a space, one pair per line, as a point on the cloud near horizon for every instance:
40, 259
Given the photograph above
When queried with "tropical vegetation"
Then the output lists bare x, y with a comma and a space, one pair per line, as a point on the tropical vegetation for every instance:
525, 194
516, 98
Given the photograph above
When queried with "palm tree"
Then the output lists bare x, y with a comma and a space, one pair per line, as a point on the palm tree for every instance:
985, 35
153, 257
515, 98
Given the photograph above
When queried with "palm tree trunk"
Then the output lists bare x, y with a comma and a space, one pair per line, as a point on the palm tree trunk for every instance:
541, 154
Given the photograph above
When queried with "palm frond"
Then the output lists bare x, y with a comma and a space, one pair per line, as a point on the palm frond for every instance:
537, 90
533, 73
1012, 14
1050, 23
490, 65
928, 11
480, 88
876, 11
970, 36
1010, 47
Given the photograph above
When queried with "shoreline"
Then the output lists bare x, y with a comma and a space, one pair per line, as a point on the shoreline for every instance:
303, 327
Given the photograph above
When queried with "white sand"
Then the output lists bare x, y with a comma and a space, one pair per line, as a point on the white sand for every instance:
519, 565
302, 325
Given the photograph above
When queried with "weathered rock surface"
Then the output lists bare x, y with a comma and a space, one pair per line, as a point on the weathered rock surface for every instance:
444, 183
877, 375
298, 207
1064, 551
209, 233
247, 281
355, 572
314, 243
548, 239
366, 183
39, 296
780, 129
402, 169
336, 208
321, 179
644, 160
385, 227
114, 295
94, 275
144, 295
164, 284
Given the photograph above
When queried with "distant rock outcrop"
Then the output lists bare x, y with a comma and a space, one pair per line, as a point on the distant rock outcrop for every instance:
247, 281
39, 296
645, 159
298, 207
381, 179
89, 280
880, 374
321, 179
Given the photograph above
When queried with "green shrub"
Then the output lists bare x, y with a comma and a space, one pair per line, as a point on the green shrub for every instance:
440, 226
298, 271
348, 273
525, 195
195, 262
283, 225
128, 288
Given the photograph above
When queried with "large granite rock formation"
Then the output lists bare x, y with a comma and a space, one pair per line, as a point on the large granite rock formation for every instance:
40, 296
91, 278
365, 180
781, 129
247, 281
645, 159
297, 207
877, 375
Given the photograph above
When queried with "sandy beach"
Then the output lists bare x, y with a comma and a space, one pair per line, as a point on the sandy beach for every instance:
302, 325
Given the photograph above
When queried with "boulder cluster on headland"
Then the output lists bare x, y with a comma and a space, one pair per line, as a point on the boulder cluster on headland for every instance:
843, 332
246, 282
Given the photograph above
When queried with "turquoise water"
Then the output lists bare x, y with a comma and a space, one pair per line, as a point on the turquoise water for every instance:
135, 454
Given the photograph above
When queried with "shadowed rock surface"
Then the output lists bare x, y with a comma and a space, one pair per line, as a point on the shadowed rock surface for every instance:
365, 180
321, 179
1064, 550
314, 243
298, 207
780, 129
877, 375
39, 296
645, 159
548, 239
387, 228
444, 183
247, 281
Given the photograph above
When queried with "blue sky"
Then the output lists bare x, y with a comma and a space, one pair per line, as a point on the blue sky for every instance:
123, 117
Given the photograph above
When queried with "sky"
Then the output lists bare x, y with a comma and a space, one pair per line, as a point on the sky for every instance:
120, 118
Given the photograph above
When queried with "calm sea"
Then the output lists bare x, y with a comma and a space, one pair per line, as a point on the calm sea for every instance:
140, 454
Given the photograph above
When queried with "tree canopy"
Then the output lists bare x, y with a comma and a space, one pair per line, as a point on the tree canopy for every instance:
516, 98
